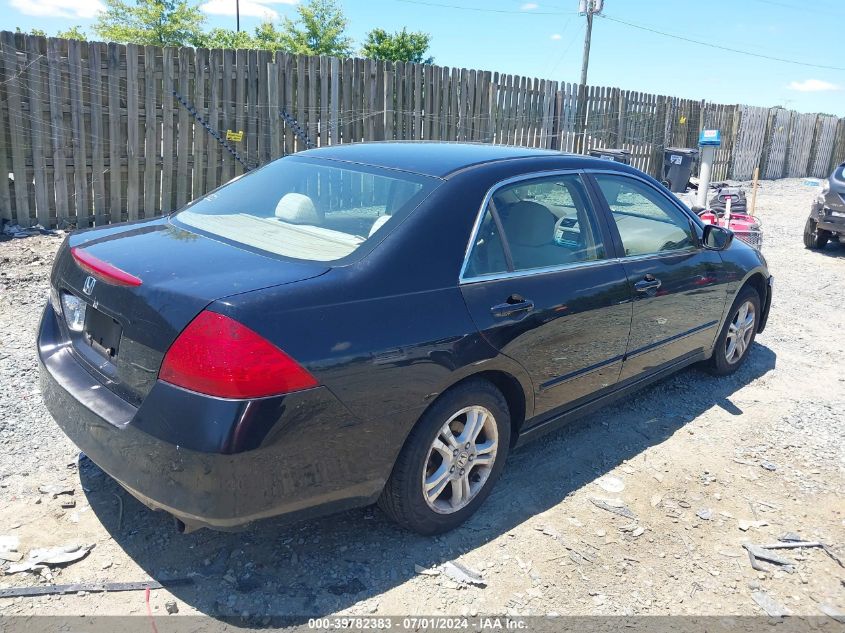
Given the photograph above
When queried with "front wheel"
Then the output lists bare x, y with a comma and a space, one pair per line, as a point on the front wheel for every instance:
737, 335
450, 461
814, 237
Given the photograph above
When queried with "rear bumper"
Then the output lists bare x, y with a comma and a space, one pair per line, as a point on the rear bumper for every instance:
826, 221
311, 457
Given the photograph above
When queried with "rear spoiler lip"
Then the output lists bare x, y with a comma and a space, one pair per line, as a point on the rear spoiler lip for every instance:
104, 271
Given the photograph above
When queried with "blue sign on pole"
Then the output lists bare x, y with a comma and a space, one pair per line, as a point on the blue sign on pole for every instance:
710, 137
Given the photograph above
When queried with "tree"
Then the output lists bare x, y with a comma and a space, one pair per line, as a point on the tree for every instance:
401, 46
36, 32
156, 22
318, 30
225, 38
73, 33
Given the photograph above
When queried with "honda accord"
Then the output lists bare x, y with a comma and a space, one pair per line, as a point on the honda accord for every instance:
380, 322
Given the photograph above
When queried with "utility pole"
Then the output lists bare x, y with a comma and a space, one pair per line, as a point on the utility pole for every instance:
238, 15
588, 8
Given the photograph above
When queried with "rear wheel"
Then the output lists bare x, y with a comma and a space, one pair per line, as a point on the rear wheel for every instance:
450, 461
814, 237
737, 335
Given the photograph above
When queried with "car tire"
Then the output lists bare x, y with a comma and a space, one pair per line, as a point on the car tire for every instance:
727, 358
814, 237
404, 498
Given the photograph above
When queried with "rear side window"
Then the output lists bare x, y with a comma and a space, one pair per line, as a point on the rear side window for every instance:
547, 222
308, 209
648, 223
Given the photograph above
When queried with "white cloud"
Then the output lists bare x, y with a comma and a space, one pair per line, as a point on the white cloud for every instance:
530, 6
556, 36
249, 8
812, 85
59, 8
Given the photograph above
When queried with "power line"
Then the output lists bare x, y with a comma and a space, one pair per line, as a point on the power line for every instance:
483, 9
721, 47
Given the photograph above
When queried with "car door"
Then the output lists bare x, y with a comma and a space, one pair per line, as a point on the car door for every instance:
543, 286
678, 286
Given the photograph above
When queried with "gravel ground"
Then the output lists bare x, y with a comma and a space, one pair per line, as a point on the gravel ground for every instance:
698, 459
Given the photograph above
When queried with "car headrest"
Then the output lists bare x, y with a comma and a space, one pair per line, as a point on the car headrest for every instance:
297, 208
380, 222
529, 224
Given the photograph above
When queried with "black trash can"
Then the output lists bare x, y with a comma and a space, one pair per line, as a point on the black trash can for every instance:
677, 167
616, 155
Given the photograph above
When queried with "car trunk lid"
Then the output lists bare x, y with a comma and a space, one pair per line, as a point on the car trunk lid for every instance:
128, 328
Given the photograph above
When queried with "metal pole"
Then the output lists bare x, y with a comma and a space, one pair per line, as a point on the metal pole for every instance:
708, 155
238, 15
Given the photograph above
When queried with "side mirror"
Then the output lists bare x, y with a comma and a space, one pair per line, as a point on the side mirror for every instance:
716, 238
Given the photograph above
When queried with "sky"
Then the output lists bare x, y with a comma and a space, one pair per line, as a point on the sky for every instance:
545, 40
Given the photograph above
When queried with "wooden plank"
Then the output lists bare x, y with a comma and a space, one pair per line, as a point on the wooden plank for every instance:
273, 106
389, 100
227, 162
334, 110
150, 179
201, 135
301, 95
347, 89
262, 112
36, 46
249, 146
133, 191
240, 107
311, 123
16, 126
6, 200
324, 79
408, 108
445, 83
289, 98
399, 100
95, 104
184, 128
371, 96
167, 131
80, 137
213, 149
57, 129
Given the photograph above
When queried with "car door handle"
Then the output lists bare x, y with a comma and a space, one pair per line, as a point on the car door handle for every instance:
513, 305
649, 282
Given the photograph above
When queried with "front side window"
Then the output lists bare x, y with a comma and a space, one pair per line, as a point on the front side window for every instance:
307, 209
648, 223
547, 222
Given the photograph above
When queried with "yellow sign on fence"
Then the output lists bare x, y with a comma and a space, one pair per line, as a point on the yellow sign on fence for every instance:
234, 136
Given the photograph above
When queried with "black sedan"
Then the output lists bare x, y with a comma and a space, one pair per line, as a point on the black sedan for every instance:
380, 322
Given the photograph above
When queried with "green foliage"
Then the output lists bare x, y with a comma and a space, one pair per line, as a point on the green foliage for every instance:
401, 46
318, 30
36, 32
156, 22
73, 33
225, 38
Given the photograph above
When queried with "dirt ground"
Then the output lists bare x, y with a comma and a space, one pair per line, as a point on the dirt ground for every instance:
695, 459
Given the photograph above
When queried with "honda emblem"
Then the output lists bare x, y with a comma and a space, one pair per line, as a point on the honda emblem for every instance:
88, 286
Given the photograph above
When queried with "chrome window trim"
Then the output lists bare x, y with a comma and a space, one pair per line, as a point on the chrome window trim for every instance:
462, 279
530, 272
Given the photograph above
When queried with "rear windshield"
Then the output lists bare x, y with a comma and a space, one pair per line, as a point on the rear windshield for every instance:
308, 209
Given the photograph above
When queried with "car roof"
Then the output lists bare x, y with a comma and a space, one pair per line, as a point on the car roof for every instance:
430, 158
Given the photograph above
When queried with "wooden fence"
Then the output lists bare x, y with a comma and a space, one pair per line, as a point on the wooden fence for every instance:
92, 133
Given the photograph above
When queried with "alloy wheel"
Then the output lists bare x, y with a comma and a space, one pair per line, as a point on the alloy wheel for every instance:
460, 460
740, 332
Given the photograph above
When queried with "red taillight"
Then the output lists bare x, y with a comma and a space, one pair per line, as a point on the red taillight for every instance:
220, 357
103, 270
